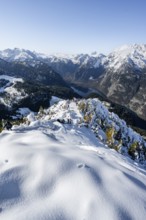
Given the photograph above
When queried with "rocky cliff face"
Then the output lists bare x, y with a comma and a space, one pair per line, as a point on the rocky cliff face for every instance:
124, 80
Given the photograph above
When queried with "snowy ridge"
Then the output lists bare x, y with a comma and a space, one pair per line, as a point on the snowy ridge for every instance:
134, 55
50, 170
95, 115
16, 54
23, 55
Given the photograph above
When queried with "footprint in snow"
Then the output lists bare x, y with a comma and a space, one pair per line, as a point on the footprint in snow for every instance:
81, 165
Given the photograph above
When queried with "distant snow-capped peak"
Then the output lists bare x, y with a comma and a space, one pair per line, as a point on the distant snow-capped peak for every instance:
77, 59
132, 54
22, 55
16, 54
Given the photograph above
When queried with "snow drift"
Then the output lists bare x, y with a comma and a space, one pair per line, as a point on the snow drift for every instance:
55, 171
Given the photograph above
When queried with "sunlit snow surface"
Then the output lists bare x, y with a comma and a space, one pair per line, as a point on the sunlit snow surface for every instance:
54, 171
9, 85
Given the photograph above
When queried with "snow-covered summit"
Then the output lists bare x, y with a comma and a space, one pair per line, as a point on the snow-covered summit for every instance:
16, 54
131, 48
134, 55
50, 170
76, 59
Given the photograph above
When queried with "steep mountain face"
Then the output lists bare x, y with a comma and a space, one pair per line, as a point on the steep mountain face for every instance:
138, 102
125, 77
134, 55
91, 70
122, 84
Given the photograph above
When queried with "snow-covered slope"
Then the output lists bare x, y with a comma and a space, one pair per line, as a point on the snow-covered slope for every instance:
10, 81
17, 54
95, 115
55, 171
8, 87
134, 55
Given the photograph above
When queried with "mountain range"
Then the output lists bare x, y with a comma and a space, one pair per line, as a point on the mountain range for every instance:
75, 159
119, 76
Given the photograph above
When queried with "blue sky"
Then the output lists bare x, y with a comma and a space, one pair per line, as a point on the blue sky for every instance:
71, 26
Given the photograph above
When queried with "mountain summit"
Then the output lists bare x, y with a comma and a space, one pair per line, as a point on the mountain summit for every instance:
134, 55
53, 170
